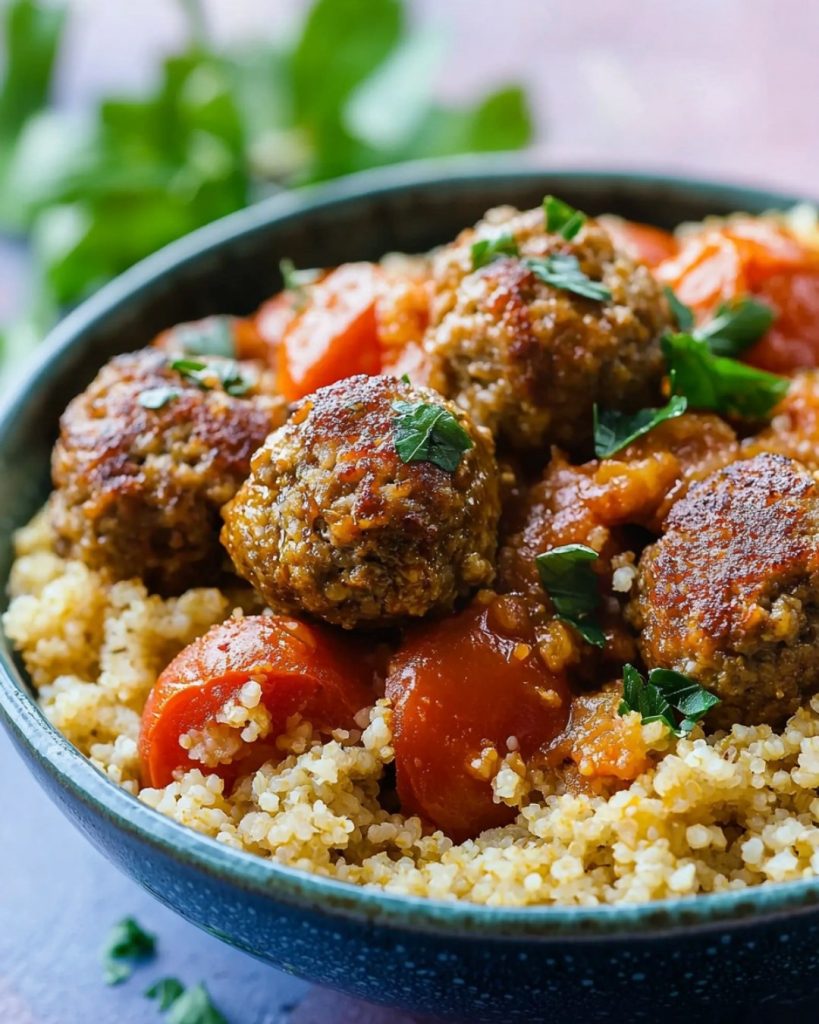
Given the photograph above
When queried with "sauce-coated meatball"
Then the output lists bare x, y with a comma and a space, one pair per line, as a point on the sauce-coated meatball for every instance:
730, 594
528, 359
334, 523
146, 458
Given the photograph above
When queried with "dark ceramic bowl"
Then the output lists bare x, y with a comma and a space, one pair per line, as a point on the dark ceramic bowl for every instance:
472, 963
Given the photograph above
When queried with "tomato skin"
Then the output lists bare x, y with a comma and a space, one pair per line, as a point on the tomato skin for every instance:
301, 668
643, 242
336, 335
757, 257
458, 685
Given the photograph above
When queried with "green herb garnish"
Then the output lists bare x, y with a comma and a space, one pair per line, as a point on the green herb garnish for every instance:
194, 1006
127, 944
562, 218
405, 378
571, 583
615, 430
298, 281
157, 398
212, 336
681, 313
166, 991
429, 433
562, 270
714, 382
487, 249
736, 326
667, 697
225, 373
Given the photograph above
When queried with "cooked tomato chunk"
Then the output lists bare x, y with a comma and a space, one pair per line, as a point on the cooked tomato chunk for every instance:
466, 690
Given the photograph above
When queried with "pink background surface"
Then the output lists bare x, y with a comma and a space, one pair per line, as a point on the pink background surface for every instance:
722, 88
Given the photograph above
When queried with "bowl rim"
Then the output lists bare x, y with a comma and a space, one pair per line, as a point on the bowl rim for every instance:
265, 878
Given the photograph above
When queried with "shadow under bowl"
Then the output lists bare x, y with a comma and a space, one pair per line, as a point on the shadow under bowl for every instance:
452, 960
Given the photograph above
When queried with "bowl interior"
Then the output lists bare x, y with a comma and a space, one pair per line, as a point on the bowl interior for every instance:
232, 266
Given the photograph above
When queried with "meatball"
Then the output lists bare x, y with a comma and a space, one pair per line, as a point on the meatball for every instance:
145, 459
529, 360
334, 523
730, 594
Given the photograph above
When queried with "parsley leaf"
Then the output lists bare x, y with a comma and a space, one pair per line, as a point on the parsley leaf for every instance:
572, 585
487, 249
194, 1006
207, 376
127, 943
714, 382
736, 326
562, 218
429, 433
212, 336
681, 313
614, 430
562, 270
157, 398
297, 281
662, 694
166, 991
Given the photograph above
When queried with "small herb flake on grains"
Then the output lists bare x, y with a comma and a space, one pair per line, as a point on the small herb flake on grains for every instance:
210, 375
487, 249
562, 218
662, 694
429, 433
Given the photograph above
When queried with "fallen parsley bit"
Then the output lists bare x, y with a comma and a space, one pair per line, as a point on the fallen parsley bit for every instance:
487, 249
194, 1006
663, 694
429, 433
562, 218
127, 943
571, 583
212, 336
297, 281
157, 398
562, 270
714, 382
405, 378
614, 430
736, 326
166, 991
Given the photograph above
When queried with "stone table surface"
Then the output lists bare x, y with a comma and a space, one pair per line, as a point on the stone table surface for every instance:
719, 87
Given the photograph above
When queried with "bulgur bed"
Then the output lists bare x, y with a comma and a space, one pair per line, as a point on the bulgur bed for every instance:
714, 812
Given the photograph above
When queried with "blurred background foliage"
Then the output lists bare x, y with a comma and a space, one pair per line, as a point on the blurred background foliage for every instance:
94, 191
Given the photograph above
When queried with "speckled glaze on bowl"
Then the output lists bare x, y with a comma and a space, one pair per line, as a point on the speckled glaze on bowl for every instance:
462, 962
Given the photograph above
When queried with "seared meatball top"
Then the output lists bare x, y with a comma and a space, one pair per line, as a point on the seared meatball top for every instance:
147, 455
529, 359
730, 594
334, 522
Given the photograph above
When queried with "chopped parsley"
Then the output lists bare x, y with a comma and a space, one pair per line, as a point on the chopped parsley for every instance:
562, 270
157, 398
715, 382
667, 697
429, 433
209, 375
614, 430
194, 1006
212, 336
166, 991
734, 327
297, 281
487, 249
562, 218
571, 583
127, 944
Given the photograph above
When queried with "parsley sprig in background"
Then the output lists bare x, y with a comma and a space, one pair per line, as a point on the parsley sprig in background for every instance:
95, 191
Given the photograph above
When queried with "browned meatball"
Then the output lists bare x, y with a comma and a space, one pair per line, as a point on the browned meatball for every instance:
333, 522
730, 594
146, 458
528, 359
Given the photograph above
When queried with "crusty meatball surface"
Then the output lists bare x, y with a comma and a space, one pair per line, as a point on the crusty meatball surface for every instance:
730, 594
145, 459
529, 360
334, 523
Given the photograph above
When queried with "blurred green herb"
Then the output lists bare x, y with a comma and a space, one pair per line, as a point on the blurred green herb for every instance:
127, 944
94, 193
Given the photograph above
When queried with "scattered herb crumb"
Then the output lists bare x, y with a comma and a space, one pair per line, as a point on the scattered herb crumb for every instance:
166, 991
429, 433
127, 945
